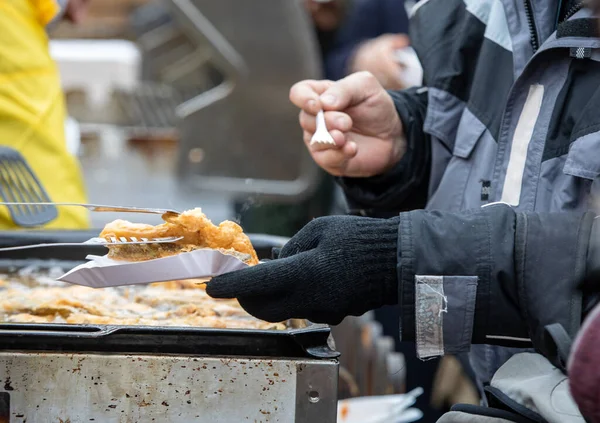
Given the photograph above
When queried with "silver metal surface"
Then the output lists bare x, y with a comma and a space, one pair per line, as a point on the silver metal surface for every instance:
54, 387
242, 136
147, 180
316, 392
98, 241
100, 208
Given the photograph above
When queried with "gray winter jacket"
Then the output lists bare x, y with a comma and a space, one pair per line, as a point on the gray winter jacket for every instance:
499, 277
510, 112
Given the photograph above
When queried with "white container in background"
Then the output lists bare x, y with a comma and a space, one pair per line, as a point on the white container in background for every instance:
97, 67
73, 136
380, 409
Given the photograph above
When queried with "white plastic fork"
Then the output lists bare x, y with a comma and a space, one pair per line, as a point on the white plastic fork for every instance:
321, 135
99, 241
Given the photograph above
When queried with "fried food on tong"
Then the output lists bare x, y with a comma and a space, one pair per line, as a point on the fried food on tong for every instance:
197, 230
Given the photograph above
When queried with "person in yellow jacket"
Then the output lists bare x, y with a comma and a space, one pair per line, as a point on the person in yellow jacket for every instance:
32, 105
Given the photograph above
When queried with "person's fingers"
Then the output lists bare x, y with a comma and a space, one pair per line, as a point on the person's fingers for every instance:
307, 136
350, 150
333, 120
270, 308
276, 309
305, 94
338, 137
350, 91
335, 161
337, 124
260, 280
307, 239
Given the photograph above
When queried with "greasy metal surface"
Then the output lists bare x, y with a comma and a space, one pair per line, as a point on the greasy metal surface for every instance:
302, 343
302, 340
242, 136
316, 392
48, 387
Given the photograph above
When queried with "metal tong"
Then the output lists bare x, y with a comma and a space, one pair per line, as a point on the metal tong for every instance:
100, 208
101, 241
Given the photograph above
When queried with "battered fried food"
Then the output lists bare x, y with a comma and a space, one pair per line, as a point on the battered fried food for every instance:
197, 230
152, 305
25, 299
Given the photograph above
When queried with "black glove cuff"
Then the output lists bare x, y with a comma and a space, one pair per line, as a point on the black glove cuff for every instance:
378, 238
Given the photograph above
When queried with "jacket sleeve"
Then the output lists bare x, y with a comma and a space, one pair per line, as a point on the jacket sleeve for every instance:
405, 187
490, 276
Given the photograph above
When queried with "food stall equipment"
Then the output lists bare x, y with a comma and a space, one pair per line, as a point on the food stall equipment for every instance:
104, 373
196, 128
242, 136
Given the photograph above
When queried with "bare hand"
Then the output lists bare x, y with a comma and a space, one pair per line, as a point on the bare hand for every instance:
377, 56
362, 119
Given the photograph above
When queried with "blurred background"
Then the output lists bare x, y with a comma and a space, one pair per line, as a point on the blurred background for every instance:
184, 104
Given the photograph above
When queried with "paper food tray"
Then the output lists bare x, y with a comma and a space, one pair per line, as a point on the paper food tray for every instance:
103, 272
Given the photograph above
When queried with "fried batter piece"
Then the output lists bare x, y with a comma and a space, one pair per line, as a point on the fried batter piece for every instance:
196, 229
152, 305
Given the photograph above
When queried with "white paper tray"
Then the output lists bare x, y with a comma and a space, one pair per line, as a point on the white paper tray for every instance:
102, 272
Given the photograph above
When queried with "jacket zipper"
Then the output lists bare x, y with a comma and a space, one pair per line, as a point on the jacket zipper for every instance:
533, 34
535, 44
574, 9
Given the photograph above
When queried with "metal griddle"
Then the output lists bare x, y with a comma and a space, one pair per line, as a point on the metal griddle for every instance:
36, 359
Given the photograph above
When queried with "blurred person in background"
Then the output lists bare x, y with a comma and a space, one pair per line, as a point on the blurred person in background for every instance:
32, 106
367, 40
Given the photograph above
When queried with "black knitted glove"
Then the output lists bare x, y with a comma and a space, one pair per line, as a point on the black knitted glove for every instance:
333, 268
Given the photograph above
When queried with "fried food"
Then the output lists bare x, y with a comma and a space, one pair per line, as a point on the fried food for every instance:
197, 230
39, 298
152, 305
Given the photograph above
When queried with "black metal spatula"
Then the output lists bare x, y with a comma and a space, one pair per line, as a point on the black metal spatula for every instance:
18, 184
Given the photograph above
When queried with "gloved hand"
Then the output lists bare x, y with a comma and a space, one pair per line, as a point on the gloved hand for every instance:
333, 268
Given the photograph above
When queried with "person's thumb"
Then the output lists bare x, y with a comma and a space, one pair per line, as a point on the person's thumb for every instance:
263, 279
350, 91
234, 284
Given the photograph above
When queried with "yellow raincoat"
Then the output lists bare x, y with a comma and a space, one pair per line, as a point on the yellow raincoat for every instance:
32, 108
